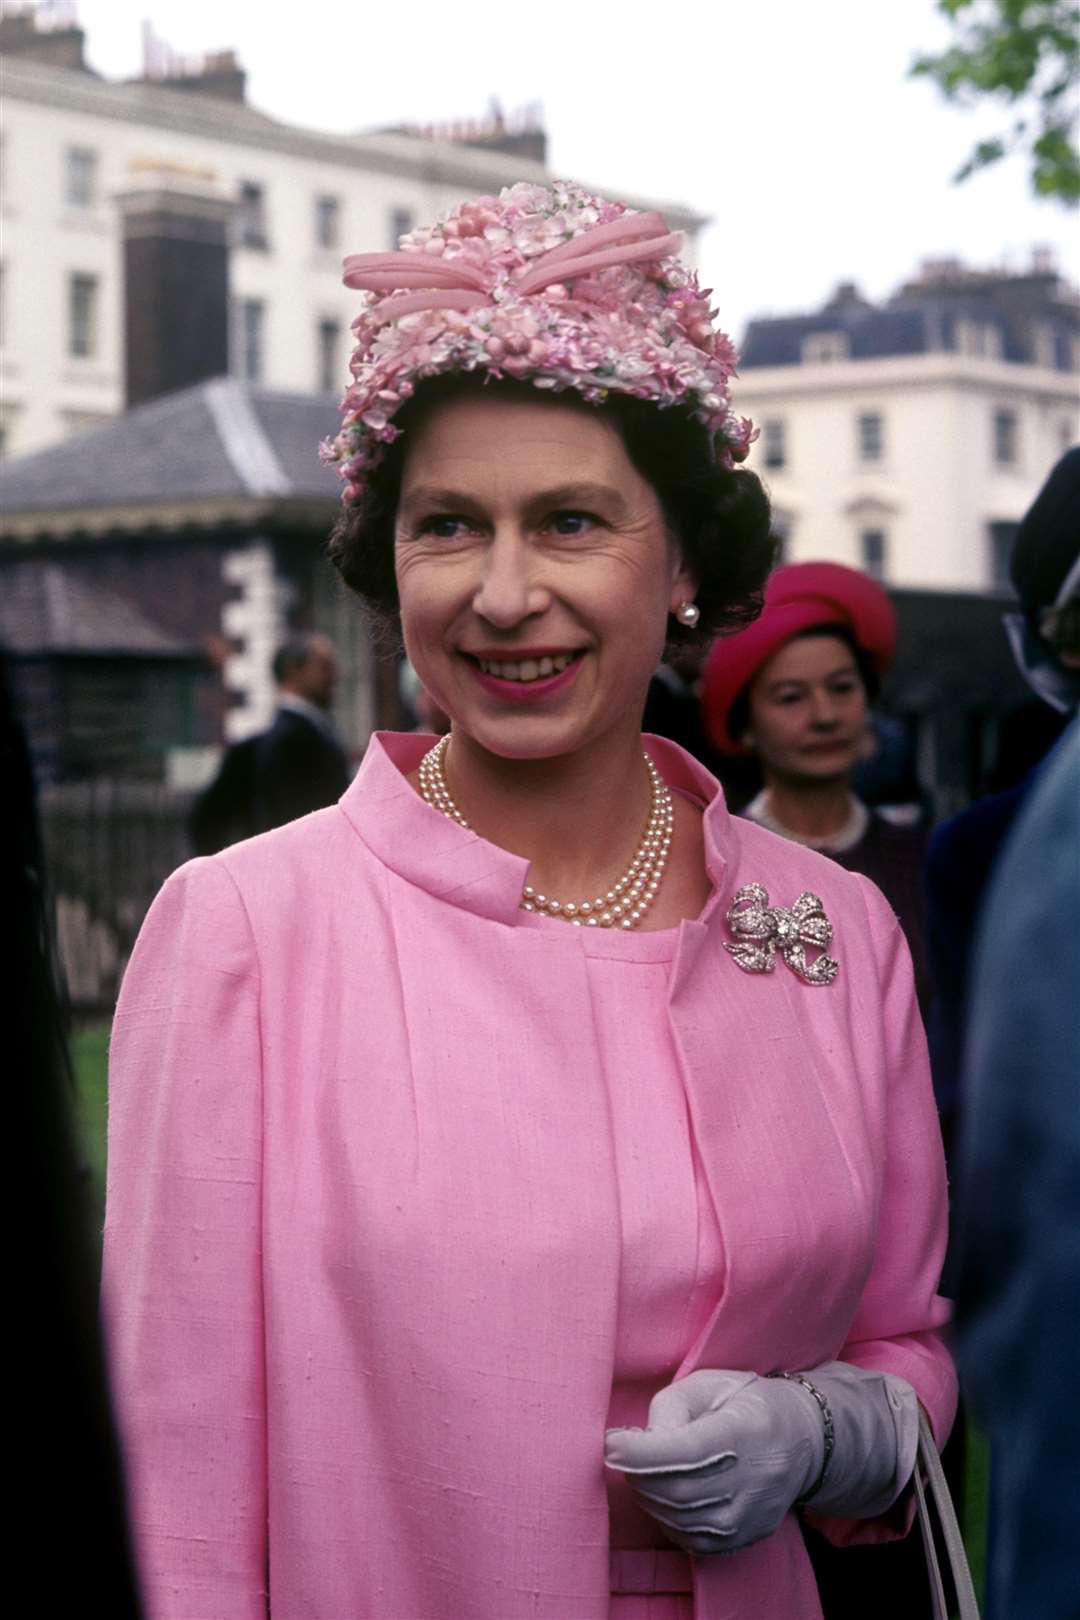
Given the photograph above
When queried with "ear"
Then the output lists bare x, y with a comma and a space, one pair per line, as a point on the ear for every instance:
684, 587
748, 740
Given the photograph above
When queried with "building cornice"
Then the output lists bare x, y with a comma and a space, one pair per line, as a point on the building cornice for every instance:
938, 369
167, 519
209, 118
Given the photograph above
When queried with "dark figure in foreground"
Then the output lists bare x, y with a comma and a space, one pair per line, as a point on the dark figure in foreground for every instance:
1018, 1206
65, 1458
296, 766
1045, 638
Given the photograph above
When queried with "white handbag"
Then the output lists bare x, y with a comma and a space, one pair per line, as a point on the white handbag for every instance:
930, 1486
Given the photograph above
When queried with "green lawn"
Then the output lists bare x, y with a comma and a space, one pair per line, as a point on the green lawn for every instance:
88, 1054
89, 1048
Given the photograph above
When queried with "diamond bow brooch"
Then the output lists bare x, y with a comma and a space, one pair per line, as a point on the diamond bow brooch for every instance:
790, 929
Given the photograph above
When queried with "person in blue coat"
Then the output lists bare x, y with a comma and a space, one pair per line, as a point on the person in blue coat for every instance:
1017, 1257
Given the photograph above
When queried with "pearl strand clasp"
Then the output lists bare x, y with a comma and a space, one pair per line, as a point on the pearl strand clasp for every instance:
629, 897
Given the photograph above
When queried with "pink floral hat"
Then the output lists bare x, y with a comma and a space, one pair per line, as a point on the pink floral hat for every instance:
543, 283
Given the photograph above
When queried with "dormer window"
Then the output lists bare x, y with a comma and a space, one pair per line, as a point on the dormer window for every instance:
824, 348
978, 339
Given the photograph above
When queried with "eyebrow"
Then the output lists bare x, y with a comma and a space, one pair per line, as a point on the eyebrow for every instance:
439, 497
801, 680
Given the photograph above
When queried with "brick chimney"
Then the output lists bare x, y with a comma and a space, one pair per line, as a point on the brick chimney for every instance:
209, 73
218, 74
176, 279
59, 46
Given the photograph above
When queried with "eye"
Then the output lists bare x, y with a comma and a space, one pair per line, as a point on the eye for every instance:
572, 523
443, 525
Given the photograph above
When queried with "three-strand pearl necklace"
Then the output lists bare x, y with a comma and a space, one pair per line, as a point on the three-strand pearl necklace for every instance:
628, 899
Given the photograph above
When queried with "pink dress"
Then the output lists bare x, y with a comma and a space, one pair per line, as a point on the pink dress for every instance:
670, 1276
404, 1210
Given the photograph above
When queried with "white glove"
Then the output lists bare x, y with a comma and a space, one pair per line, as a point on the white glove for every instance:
727, 1454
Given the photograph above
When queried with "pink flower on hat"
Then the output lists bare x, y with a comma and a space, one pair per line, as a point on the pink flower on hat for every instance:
543, 283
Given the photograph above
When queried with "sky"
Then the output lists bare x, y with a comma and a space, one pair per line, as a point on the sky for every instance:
792, 123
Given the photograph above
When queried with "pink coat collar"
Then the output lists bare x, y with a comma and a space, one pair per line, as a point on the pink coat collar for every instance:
422, 846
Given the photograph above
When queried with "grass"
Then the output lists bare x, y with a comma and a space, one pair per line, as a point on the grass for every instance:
89, 1048
976, 1497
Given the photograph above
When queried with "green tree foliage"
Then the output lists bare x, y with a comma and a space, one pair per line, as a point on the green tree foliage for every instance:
1025, 54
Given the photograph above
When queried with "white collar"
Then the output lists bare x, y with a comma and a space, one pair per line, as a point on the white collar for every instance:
834, 843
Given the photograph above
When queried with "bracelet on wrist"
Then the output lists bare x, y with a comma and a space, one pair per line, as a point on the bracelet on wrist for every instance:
829, 1430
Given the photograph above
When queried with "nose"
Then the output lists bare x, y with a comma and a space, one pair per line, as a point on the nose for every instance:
508, 590
823, 709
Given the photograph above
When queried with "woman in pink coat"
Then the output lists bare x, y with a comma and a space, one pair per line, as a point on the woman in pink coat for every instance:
484, 1149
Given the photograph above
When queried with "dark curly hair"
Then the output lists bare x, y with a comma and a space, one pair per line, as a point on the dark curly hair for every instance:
719, 517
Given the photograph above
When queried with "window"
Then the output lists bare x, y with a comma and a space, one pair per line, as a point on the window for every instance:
978, 339
775, 441
822, 348
80, 177
328, 339
1001, 536
327, 222
251, 339
780, 532
1005, 437
401, 222
251, 216
874, 548
871, 426
1044, 346
82, 315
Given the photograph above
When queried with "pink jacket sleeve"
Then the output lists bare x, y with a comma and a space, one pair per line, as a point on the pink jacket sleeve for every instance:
182, 1272
896, 1327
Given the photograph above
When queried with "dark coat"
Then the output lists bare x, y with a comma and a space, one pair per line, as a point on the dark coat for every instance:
961, 857
287, 771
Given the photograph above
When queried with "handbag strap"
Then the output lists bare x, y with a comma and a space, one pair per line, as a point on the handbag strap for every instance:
931, 1486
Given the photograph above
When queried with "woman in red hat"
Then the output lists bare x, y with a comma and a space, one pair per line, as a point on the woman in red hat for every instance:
795, 688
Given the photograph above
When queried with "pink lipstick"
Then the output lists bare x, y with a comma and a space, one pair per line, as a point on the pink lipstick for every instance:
526, 691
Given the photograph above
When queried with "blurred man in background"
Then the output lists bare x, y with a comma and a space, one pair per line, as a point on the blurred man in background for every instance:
296, 766
1045, 639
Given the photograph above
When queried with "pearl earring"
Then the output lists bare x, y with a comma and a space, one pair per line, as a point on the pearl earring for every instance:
688, 613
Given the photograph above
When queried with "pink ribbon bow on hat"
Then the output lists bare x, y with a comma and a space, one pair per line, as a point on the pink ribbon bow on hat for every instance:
457, 284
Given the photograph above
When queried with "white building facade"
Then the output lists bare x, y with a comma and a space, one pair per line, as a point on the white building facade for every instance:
917, 466
72, 143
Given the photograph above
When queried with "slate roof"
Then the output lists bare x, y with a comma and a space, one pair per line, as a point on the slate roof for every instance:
46, 609
871, 333
917, 320
223, 438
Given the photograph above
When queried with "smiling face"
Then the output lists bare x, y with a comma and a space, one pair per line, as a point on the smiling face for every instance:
808, 711
535, 573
